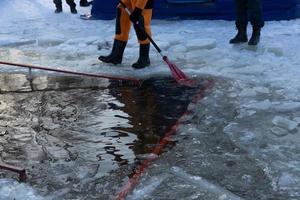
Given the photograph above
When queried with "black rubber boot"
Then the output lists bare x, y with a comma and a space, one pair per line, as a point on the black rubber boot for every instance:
84, 3
144, 59
241, 35
58, 8
255, 38
73, 10
72, 5
116, 55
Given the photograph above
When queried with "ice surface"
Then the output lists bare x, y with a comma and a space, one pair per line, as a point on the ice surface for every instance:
144, 190
248, 93
289, 181
266, 119
150, 156
262, 90
46, 42
247, 137
297, 119
285, 123
196, 44
289, 106
279, 131
276, 49
259, 105
205, 184
18, 82
82, 37
12, 190
12, 42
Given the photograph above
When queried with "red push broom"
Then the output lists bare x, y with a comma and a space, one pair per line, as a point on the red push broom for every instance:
178, 75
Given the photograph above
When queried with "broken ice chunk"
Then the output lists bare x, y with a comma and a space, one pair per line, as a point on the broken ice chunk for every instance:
297, 119
280, 132
204, 184
287, 106
203, 43
47, 42
147, 188
149, 156
259, 105
276, 50
285, 123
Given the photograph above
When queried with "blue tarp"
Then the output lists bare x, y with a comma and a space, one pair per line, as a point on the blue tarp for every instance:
202, 9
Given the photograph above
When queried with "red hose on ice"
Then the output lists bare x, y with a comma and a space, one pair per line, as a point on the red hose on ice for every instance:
139, 171
69, 72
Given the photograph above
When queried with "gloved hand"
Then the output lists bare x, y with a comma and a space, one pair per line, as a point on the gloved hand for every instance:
136, 15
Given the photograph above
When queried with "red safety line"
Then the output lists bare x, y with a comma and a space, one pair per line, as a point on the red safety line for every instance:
68, 72
139, 171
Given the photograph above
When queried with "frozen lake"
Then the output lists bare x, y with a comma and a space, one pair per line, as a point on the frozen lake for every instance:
85, 142
82, 130
241, 141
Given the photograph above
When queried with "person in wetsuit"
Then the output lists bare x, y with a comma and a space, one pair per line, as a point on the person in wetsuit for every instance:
141, 18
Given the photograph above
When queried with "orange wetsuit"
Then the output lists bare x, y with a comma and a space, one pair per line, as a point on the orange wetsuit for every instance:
123, 23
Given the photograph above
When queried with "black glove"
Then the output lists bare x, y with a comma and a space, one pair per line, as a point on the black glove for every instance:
136, 15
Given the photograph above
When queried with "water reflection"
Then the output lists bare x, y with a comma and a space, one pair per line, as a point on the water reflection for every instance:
68, 139
152, 109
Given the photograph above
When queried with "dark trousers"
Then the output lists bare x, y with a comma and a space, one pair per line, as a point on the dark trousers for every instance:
58, 3
249, 10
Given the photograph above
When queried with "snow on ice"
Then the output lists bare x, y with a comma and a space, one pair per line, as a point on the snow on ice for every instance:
12, 190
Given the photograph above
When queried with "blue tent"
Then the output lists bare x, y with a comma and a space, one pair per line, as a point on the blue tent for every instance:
202, 9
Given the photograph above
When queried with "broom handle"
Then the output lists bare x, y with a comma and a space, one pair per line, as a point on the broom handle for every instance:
144, 32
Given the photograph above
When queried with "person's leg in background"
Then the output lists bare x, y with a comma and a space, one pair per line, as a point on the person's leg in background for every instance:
241, 22
85, 3
58, 5
256, 19
72, 5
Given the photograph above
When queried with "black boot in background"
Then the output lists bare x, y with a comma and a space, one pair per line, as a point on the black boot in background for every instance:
84, 3
241, 36
73, 10
72, 5
144, 59
58, 7
116, 55
255, 38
